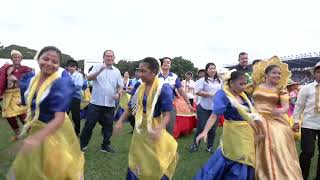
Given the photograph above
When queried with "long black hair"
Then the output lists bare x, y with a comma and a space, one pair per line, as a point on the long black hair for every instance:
162, 59
206, 76
235, 75
50, 48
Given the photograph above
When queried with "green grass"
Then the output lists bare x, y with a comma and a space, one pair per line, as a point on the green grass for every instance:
104, 166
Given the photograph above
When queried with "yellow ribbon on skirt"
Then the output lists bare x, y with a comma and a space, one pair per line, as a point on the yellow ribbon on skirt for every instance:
238, 142
151, 159
124, 100
86, 98
11, 101
58, 157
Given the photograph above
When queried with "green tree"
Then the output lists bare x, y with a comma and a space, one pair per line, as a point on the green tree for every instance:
180, 66
81, 64
28, 53
125, 65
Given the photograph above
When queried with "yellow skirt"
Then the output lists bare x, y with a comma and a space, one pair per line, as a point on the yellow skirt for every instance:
124, 100
57, 158
11, 99
238, 142
150, 159
276, 156
86, 98
297, 135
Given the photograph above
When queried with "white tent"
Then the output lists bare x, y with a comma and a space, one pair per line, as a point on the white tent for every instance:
34, 64
26, 62
88, 64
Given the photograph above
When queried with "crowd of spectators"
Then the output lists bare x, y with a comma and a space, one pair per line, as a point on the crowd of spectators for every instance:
302, 76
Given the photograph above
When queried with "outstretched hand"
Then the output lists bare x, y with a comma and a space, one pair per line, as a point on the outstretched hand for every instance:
260, 133
29, 144
118, 127
190, 108
156, 133
296, 127
203, 136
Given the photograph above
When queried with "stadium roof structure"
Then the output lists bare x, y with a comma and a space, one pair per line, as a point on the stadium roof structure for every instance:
296, 63
305, 62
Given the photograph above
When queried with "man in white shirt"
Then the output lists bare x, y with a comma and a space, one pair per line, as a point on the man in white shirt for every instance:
107, 87
308, 107
188, 86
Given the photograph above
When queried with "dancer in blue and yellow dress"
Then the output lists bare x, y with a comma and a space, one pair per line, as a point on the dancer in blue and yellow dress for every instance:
153, 151
235, 158
51, 149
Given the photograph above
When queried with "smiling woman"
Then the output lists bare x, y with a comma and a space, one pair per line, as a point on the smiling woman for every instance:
276, 156
153, 151
47, 96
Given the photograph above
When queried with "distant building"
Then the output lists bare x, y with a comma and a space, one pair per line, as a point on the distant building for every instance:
88, 64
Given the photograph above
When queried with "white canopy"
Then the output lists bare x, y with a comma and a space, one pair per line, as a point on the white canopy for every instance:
26, 62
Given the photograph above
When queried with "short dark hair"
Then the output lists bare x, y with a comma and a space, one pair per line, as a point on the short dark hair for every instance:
201, 70
50, 48
72, 63
270, 67
242, 53
153, 64
122, 73
104, 53
162, 59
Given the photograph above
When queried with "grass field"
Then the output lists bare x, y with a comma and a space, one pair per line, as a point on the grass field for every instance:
104, 166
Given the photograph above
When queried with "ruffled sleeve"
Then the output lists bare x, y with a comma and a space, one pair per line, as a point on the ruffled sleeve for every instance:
3, 77
178, 83
220, 103
166, 98
25, 69
133, 92
61, 94
249, 89
24, 85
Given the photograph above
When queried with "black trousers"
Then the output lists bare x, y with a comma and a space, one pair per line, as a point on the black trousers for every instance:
75, 112
308, 140
191, 101
132, 120
203, 116
103, 115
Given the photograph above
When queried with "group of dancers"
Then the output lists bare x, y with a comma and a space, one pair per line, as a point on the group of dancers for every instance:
257, 140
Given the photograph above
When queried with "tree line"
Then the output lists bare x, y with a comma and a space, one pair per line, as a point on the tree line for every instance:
179, 64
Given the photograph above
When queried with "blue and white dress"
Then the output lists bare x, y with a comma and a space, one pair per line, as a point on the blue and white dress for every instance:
218, 166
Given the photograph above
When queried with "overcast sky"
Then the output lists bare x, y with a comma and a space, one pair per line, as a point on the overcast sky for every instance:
199, 30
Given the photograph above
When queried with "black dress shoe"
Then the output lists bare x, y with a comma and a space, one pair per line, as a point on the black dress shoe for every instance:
105, 149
